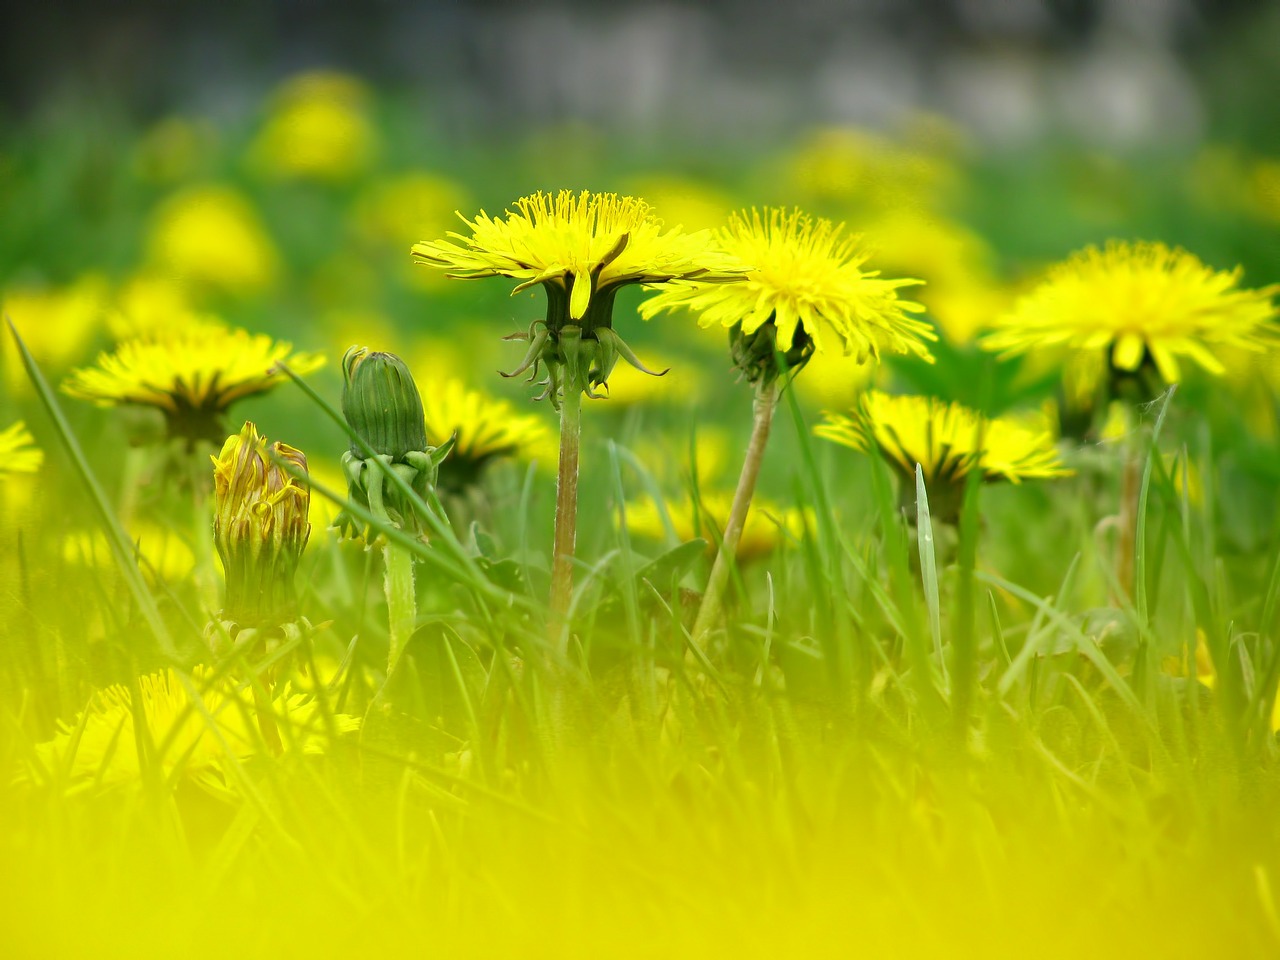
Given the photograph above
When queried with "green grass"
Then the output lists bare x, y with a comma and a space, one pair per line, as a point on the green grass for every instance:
910, 739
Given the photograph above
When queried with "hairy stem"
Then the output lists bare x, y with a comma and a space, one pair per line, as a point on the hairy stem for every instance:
713, 601
566, 529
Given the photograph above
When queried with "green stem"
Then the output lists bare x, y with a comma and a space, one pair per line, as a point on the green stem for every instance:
566, 528
1130, 489
713, 601
402, 607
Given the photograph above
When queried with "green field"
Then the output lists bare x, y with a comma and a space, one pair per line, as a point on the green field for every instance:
1031, 718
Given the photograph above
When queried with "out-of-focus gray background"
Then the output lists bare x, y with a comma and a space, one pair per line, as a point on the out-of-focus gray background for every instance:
1110, 72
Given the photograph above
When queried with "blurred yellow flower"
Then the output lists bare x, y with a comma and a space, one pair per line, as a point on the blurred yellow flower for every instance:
767, 525
947, 440
161, 553
806, 278
836, 380
1264, 188
317, 127
149, 306
692, 204
56, 324
1131, 303
853, 166
193, 377
211, 236
682, 383
486, 429
100, 750
18, 452
398, 211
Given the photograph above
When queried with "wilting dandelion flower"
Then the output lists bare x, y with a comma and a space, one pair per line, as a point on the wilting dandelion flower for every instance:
260, 527
211, 236
805, 292
484, 429
192, 377
18, 453
1127, 307
318, 128
100, 749
948, 441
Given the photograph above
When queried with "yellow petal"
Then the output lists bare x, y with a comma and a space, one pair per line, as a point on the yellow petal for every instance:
580, 296
1127, 353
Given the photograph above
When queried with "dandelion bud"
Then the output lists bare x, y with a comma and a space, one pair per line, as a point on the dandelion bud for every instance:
382, 404
260, 528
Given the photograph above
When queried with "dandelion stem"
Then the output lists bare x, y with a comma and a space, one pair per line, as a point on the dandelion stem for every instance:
766, 401
402, 607
566, 529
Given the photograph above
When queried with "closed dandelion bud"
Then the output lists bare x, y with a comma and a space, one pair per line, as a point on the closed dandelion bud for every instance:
382, 404
260, 528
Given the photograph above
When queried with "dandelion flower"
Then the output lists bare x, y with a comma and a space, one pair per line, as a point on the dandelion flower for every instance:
485, 429
807, 280
192, 377
579, 247
18, 453
99, 747
1131, 304
210, 235
767, 526
318, 128
948, 441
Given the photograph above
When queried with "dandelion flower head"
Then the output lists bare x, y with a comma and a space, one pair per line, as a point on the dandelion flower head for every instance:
583, 244
18, 453
1128, 303
806, 277
485, 427
948, 440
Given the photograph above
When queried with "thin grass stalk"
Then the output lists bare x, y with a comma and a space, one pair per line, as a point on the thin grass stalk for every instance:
766, 400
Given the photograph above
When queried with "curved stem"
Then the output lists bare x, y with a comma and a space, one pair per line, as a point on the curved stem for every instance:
566, 529
713, 600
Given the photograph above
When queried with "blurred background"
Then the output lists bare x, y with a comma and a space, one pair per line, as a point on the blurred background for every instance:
271, 164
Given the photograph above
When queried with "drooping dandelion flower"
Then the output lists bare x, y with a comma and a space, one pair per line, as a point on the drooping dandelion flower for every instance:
581, 249
948, 441
99, 749
806, 291
18, 452
484, 429
1120, 309
193, 377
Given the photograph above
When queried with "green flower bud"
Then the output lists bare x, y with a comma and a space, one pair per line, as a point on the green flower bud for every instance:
382, 404
755, 353
260, 528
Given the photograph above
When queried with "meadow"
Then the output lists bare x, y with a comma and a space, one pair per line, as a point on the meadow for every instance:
994, 681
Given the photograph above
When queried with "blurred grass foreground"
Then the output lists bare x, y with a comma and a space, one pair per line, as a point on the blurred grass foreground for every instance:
922, 599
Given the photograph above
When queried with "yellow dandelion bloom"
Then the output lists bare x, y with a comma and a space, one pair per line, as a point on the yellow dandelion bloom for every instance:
99, 748
152, 306
486, 429
55, 323
582, 246
318, 128
949, 441
210, 235
806, 278
18, 453
161, 553
1131, 303
193, 377
767, 525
